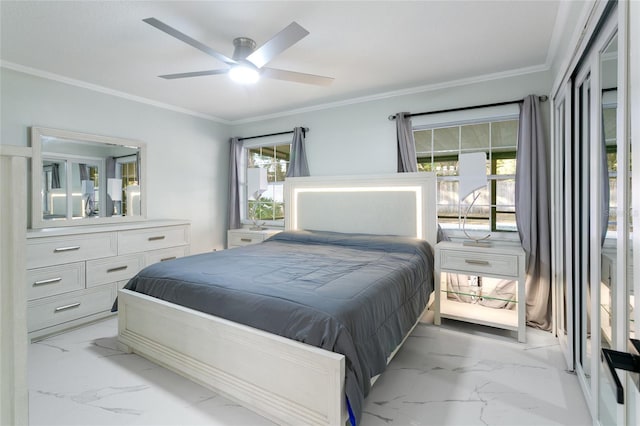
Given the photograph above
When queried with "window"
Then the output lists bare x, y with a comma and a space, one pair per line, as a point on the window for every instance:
269, 205
437, 149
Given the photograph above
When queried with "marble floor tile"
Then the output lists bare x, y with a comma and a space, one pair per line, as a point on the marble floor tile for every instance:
456, 374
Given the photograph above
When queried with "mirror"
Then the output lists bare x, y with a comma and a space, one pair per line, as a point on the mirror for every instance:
83, 179
609, 283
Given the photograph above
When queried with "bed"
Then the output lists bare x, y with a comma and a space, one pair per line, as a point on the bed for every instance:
297, 379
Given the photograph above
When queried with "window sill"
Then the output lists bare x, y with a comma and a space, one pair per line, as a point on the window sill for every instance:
274, 224
458, 234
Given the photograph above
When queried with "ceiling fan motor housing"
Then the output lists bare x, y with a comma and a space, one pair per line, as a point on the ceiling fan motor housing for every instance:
243, 47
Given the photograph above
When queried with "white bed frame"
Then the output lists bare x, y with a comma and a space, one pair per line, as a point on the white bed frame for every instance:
284, 380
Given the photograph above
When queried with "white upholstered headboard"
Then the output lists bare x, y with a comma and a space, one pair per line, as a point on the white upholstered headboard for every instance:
389, 204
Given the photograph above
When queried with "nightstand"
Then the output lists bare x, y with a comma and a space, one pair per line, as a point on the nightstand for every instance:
502, 261
245, 236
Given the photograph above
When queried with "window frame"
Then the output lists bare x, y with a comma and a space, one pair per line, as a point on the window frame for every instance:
493, 178
244, 201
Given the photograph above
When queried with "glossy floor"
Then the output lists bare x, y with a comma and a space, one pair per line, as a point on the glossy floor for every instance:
457, 374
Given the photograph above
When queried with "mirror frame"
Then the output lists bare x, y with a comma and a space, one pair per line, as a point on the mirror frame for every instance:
37, 133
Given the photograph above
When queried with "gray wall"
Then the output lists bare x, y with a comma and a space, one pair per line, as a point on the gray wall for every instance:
359, 139
186, 156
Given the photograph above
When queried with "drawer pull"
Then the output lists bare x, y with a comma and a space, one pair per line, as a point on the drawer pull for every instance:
63, 249
159, 237
49, 281
246, 240
65, 307
477, 262
167, 258
117, 268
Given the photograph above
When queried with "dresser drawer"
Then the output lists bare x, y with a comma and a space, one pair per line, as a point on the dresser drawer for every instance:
112, 269
52, 280
163, 255
152, 239
56, 310
58, 250
478, 263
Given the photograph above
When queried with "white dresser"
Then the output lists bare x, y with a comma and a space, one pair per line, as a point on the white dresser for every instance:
74, 273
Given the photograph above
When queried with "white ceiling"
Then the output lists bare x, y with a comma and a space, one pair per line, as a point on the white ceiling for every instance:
368, 47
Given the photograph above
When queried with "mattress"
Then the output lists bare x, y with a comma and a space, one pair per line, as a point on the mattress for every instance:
353, 294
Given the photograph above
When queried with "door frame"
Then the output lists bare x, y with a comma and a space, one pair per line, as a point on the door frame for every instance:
630, 25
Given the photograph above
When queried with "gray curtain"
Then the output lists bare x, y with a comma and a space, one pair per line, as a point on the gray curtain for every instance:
407, 161
84, 171
532, 212
55, 176
235, 167
298, 161
110, 173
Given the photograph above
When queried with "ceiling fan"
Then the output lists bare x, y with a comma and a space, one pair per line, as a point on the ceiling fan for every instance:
247, 64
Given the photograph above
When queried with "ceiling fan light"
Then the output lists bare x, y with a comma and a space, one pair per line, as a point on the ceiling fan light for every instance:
244, 74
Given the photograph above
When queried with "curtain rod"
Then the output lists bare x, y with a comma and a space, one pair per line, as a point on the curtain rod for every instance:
304, 131
125, 156
542, 98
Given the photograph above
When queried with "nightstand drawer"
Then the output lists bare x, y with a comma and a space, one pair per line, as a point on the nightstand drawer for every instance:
244, 238
52, 280
478, 263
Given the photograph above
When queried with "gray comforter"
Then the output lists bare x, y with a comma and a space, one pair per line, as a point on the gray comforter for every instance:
357, 295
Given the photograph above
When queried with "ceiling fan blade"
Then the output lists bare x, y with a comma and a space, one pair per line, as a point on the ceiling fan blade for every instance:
278, 44
193, 74
297, 77
190, 41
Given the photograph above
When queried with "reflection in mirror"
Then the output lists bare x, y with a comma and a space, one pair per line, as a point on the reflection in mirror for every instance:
82, 179
630, 277
54, 191
563, 316
609, 283
582, 224
609, 73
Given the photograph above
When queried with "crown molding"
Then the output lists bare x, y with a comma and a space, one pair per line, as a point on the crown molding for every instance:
319, 107
562, 17
96, 88
401, 92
